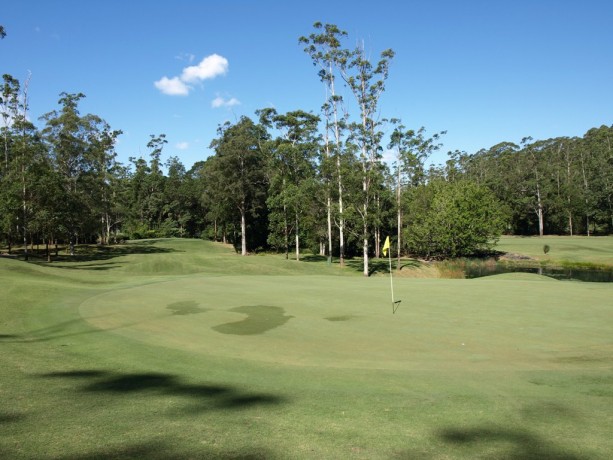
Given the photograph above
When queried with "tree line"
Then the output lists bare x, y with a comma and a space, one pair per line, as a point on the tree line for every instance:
297, 181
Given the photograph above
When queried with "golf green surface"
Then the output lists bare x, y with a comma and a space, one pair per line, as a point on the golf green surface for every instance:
183, 349
348, 322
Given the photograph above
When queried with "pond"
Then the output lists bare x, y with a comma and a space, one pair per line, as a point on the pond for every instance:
563, 274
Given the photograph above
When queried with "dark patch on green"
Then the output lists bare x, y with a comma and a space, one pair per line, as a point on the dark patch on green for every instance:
340, 318
187, 307
600, 385
260, 318
587, 359
547, 410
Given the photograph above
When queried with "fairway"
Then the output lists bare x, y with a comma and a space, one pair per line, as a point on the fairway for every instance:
182, 349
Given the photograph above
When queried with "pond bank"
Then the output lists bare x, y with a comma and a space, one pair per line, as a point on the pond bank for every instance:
513, 263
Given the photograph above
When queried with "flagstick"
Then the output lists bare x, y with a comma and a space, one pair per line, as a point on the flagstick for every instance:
389, 254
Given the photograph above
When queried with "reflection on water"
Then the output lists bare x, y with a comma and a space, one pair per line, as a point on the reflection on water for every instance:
564, 274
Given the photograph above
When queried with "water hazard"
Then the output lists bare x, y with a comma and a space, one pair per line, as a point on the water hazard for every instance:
563, 274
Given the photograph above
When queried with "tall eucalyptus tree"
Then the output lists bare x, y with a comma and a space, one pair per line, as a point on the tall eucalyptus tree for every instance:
367, 83
326, 51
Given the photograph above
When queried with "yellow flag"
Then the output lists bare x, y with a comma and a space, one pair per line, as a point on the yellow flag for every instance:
386, 246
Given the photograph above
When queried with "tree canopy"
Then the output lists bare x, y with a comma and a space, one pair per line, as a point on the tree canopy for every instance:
297, 181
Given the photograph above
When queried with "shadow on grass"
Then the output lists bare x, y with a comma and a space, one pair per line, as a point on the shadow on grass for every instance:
97, 253
202, 397
313, 258
412, 263
61, 330
156, 450
374, 265
517, 444
9, 418
57, 331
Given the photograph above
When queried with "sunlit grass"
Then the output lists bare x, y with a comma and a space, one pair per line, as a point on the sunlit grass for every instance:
590, 251
183, 349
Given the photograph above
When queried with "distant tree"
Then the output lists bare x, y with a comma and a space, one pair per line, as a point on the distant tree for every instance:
153, 201
291, 160
240, 169
22, 150
453, 219
177, 199
596, 171
412, 149
220, 215
82, 152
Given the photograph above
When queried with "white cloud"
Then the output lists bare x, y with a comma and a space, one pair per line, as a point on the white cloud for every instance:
186, 57
209, 68
172, 86
182, 145
221, 102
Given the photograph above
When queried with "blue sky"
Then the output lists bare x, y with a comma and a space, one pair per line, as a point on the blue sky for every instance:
484, 71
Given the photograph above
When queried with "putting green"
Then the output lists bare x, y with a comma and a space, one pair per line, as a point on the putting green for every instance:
494, 323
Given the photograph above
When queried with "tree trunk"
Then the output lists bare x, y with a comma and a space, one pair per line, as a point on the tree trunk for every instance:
398, 219
72, 244
329, 229
108, 228
365, 250
365, 229
377, 242
341, 219
285, 232
243, 234
539, 205
297, 240
586, 191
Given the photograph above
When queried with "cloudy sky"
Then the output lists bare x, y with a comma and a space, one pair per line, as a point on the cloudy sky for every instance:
484, 71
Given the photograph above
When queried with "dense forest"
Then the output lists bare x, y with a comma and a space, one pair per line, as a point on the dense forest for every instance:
297, 181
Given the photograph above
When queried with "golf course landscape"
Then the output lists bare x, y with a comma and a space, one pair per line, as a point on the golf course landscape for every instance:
180, 348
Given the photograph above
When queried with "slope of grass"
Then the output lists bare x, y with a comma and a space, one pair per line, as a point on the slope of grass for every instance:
181, 349
576, 250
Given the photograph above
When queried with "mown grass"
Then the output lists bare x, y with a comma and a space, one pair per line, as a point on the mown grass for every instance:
593, 251
182, 349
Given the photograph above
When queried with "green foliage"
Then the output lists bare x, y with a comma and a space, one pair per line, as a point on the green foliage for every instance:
560, 186
452, 219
